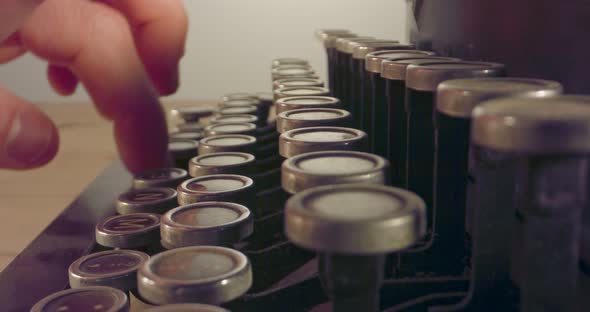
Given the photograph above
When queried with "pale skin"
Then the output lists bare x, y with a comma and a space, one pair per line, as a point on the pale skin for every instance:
124, 52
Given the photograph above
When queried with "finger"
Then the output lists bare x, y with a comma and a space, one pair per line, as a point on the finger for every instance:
11, 48
160, 28
28, 138
95, 42
62, 79
13, 13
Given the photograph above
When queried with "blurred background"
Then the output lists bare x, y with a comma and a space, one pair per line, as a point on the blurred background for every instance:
231, 43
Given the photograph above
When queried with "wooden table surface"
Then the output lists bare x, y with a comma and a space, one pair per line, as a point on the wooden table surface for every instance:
29, 200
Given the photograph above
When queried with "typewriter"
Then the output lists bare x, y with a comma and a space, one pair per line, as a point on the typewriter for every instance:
415, 177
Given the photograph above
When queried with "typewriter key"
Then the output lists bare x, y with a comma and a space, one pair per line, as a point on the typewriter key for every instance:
239, 110
551, 140
227, 143
84, 299
308, 170
316, 139
421, 83
287, 66
238, 95
188, 135
394, 72
150, 199
113, 268
217, 187
240, 102
352, 227
244, 128
312, 117
343, 61
206, 223
233, 119
300, 91
455, 102
203, 274
187, 307
130, 231
298, 102
164, 177
374, 106
266, 98
291, 71
289, 61
191, 113
296, 83
182, 150
220, 163
359, 76
262, 108
190, 127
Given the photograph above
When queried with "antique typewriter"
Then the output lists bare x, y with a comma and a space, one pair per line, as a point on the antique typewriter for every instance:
417, 178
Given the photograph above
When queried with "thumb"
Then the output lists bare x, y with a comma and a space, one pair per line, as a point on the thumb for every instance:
28, 138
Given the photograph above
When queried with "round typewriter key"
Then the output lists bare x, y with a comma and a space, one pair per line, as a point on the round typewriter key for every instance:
150, 199
312, 117
332, 54
129, 231
189, 135
291, 71
191, 113
227, 143
353, 227
359, 76
182, 150
394, 72
245, 128
239, 110
164, 177
289, 61
316, 139
190, 127
343, 66
287, 66
206, 223
217, 187
240, 102
266, 98
308, 170
92, 298
203, 274
421, 83
233, 119
218, 163
548, 139
187, 307
297, 82
375, 111
298, 102
237, 96
456, 99
113, 268
300, 91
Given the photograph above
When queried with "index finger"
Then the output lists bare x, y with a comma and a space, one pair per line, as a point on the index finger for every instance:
96, 43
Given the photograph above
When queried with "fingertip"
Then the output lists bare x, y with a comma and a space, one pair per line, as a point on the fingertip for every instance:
31, 140
62, 79
142, 139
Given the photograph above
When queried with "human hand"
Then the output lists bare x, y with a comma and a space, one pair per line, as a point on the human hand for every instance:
118, 49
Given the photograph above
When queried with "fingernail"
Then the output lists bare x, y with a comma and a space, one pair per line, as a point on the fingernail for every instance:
28, 139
